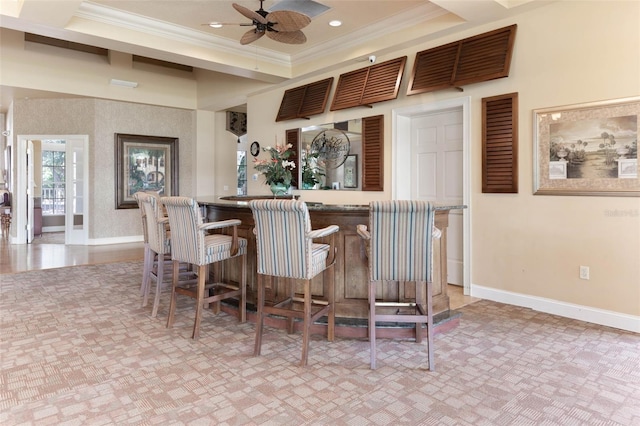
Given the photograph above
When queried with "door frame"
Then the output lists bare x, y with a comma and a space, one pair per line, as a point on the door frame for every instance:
401, 174
19, 209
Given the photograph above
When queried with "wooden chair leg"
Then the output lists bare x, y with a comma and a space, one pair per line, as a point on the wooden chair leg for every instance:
420, 286
331, 315
372, 323
202, 269
146, 268
174, 296
243, 288
147, 286
306, 332
259, 315
159, 283
291, 284
430, 350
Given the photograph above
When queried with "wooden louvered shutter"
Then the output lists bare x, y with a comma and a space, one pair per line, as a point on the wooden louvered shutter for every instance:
373, 153
304, 101
349, 90
292, 136
433, 69
500, 144
366, 86
383, 81
485, 57
472, 60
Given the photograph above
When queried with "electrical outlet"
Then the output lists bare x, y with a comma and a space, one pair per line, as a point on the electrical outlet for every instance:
226, 187
584, 272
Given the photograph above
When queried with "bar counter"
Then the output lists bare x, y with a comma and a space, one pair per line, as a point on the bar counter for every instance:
351, 270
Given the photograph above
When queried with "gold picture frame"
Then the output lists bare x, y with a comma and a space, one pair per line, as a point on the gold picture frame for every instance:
587, 149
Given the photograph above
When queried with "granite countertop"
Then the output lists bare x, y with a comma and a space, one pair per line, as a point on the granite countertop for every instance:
242, 201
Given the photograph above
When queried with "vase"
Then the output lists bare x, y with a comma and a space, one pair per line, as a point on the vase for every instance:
279, 188
308, 185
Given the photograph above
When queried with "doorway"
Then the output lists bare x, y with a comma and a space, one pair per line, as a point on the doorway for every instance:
431, 161
76, 183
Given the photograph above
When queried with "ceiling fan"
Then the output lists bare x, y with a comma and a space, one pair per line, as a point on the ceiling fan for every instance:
282, 25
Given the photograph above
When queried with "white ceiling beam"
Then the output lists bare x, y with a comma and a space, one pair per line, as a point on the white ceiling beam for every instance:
52, 13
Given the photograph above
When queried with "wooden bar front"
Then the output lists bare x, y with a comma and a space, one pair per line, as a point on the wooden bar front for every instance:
351, 279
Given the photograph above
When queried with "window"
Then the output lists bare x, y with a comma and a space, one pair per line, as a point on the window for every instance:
53, 178
242, 172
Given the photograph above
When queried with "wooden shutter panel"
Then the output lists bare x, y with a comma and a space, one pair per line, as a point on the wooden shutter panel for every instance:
500, 144
472, 60
292, 136
433, 69
349, 90
304, 101
485, 57
376, 83
383, 81
373, 153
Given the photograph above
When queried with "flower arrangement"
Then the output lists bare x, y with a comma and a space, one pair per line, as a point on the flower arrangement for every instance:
277, 169
311, 173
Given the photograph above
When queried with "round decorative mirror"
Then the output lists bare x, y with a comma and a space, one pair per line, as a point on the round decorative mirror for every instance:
332, 147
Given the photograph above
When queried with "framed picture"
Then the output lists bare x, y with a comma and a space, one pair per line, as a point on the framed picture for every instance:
145, 163
351, 171
587, 149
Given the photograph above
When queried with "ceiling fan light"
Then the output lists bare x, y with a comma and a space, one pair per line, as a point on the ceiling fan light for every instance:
335, 23
215, 25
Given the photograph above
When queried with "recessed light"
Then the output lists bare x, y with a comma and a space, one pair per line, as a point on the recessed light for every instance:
215, 25
335, 23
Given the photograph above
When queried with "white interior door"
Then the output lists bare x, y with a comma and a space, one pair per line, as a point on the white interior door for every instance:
31, 184
437, 175
76, 190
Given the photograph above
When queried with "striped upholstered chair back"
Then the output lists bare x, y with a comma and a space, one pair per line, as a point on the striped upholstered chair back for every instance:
143, 215
156, 223
401, 240
185, 221
283, 248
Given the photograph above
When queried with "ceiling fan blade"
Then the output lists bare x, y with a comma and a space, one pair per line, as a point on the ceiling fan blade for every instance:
288, 20
250, 14
251, 36
226, 24
289, 37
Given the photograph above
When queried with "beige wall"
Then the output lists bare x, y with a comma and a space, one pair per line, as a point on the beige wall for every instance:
526, 246
101, 120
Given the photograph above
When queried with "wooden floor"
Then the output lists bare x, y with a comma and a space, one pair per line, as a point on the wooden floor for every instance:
46, 252
42, 254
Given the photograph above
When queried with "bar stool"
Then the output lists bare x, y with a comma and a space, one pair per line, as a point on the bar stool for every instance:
159, 244
400, 249
191, 243
149, 257
285, 249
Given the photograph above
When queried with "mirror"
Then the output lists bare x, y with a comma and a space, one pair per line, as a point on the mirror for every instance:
330, 155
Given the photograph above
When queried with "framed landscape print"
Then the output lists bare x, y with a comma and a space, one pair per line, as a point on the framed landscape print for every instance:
145, 163
587, 149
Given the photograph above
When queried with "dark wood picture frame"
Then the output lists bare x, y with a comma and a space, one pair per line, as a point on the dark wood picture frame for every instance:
144, 163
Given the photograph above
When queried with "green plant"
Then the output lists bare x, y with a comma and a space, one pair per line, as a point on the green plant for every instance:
311, 173
277, 168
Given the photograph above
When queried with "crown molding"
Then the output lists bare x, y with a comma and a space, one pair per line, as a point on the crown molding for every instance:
114, 17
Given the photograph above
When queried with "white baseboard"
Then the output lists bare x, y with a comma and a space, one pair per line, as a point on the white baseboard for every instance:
115, 240
53, 228
563, 309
